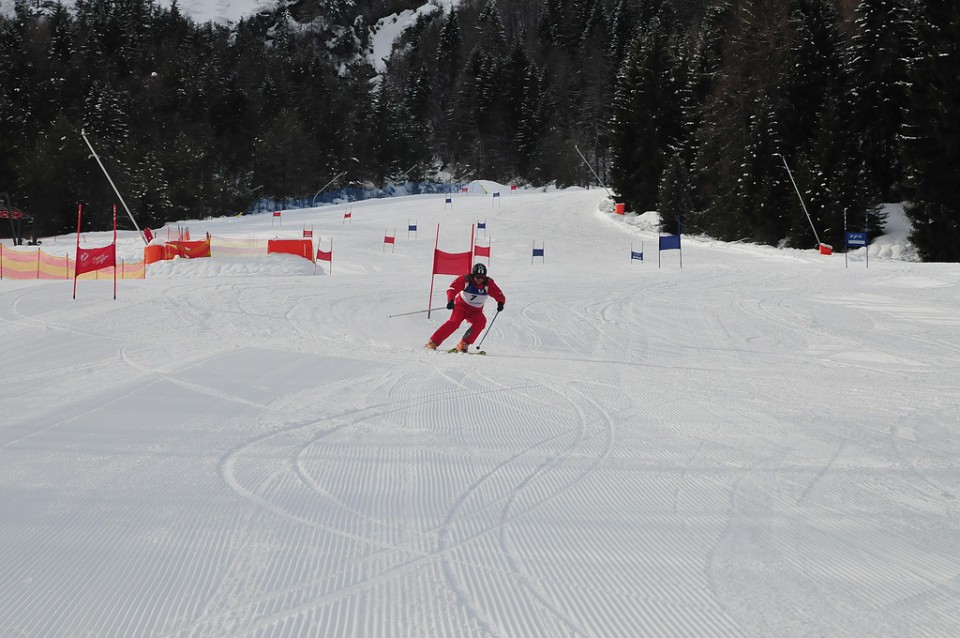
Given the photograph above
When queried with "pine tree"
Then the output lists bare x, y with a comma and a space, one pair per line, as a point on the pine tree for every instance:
815, 128
532, 128
646, 118
737, 178
621, 32
878, 61
932, 134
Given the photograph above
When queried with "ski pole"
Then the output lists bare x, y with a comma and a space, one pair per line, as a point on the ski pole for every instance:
488, 329
416, 312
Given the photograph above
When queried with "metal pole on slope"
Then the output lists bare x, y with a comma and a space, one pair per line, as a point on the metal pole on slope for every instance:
488, 329
800, 197
577, 148
313, 200
119, 196
416, 312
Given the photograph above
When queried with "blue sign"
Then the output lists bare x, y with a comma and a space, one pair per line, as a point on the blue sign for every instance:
856, 239
670, 242
635, 255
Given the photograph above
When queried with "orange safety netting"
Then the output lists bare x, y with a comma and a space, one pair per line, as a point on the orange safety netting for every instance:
232, 247
300, 247
19, 264
188, 249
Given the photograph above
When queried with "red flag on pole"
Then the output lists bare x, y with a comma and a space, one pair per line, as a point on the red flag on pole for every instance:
451, 263
445, 263
324, 255
91, 259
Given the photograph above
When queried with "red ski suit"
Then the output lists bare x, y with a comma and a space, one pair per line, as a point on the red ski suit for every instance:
468, 298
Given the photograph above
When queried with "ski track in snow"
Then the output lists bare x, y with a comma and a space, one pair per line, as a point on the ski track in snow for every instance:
761, 443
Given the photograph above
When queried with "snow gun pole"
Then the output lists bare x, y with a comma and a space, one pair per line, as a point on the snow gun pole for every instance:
119, 196
488, 329
815, 236
416, 312
592, 171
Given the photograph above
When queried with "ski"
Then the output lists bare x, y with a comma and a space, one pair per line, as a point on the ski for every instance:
454, 350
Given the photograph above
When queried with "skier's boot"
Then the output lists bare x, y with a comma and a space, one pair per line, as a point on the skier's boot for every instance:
463, 346
430, 345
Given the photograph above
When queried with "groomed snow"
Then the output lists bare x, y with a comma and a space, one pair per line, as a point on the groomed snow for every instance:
760, 443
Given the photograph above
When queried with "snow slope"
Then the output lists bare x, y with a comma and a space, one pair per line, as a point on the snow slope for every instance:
762, 443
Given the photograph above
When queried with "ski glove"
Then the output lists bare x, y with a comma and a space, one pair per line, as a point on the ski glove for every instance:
450, 305
499, 306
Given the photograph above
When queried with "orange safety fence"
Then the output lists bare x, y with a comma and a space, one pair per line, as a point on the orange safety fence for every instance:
19, 264
300, 247
188, 249
233, 247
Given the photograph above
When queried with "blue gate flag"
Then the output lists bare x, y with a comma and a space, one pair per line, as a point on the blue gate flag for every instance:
856, 239
635, 255
670, 242
481, 225
537, 252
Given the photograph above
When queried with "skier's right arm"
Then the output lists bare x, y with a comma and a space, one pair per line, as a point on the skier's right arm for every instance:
456, 286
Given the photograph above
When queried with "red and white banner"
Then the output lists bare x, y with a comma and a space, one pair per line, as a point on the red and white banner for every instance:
91, 259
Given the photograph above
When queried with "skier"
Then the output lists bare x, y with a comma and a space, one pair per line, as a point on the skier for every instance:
466, 296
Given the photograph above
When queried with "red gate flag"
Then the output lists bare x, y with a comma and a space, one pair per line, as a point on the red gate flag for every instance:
324, 255
90, 259
482, 251
451, 263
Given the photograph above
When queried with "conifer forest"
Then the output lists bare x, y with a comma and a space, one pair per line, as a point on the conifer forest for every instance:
694, 108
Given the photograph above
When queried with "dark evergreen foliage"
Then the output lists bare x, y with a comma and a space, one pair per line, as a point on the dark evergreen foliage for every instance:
687, 106
932, 133
647, 118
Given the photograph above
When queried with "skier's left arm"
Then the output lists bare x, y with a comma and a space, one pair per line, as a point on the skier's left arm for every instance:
494, 291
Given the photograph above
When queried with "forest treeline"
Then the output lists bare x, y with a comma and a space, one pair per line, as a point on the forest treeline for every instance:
694, 108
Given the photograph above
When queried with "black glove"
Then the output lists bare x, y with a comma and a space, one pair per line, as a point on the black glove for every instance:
499, 306
450, 305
